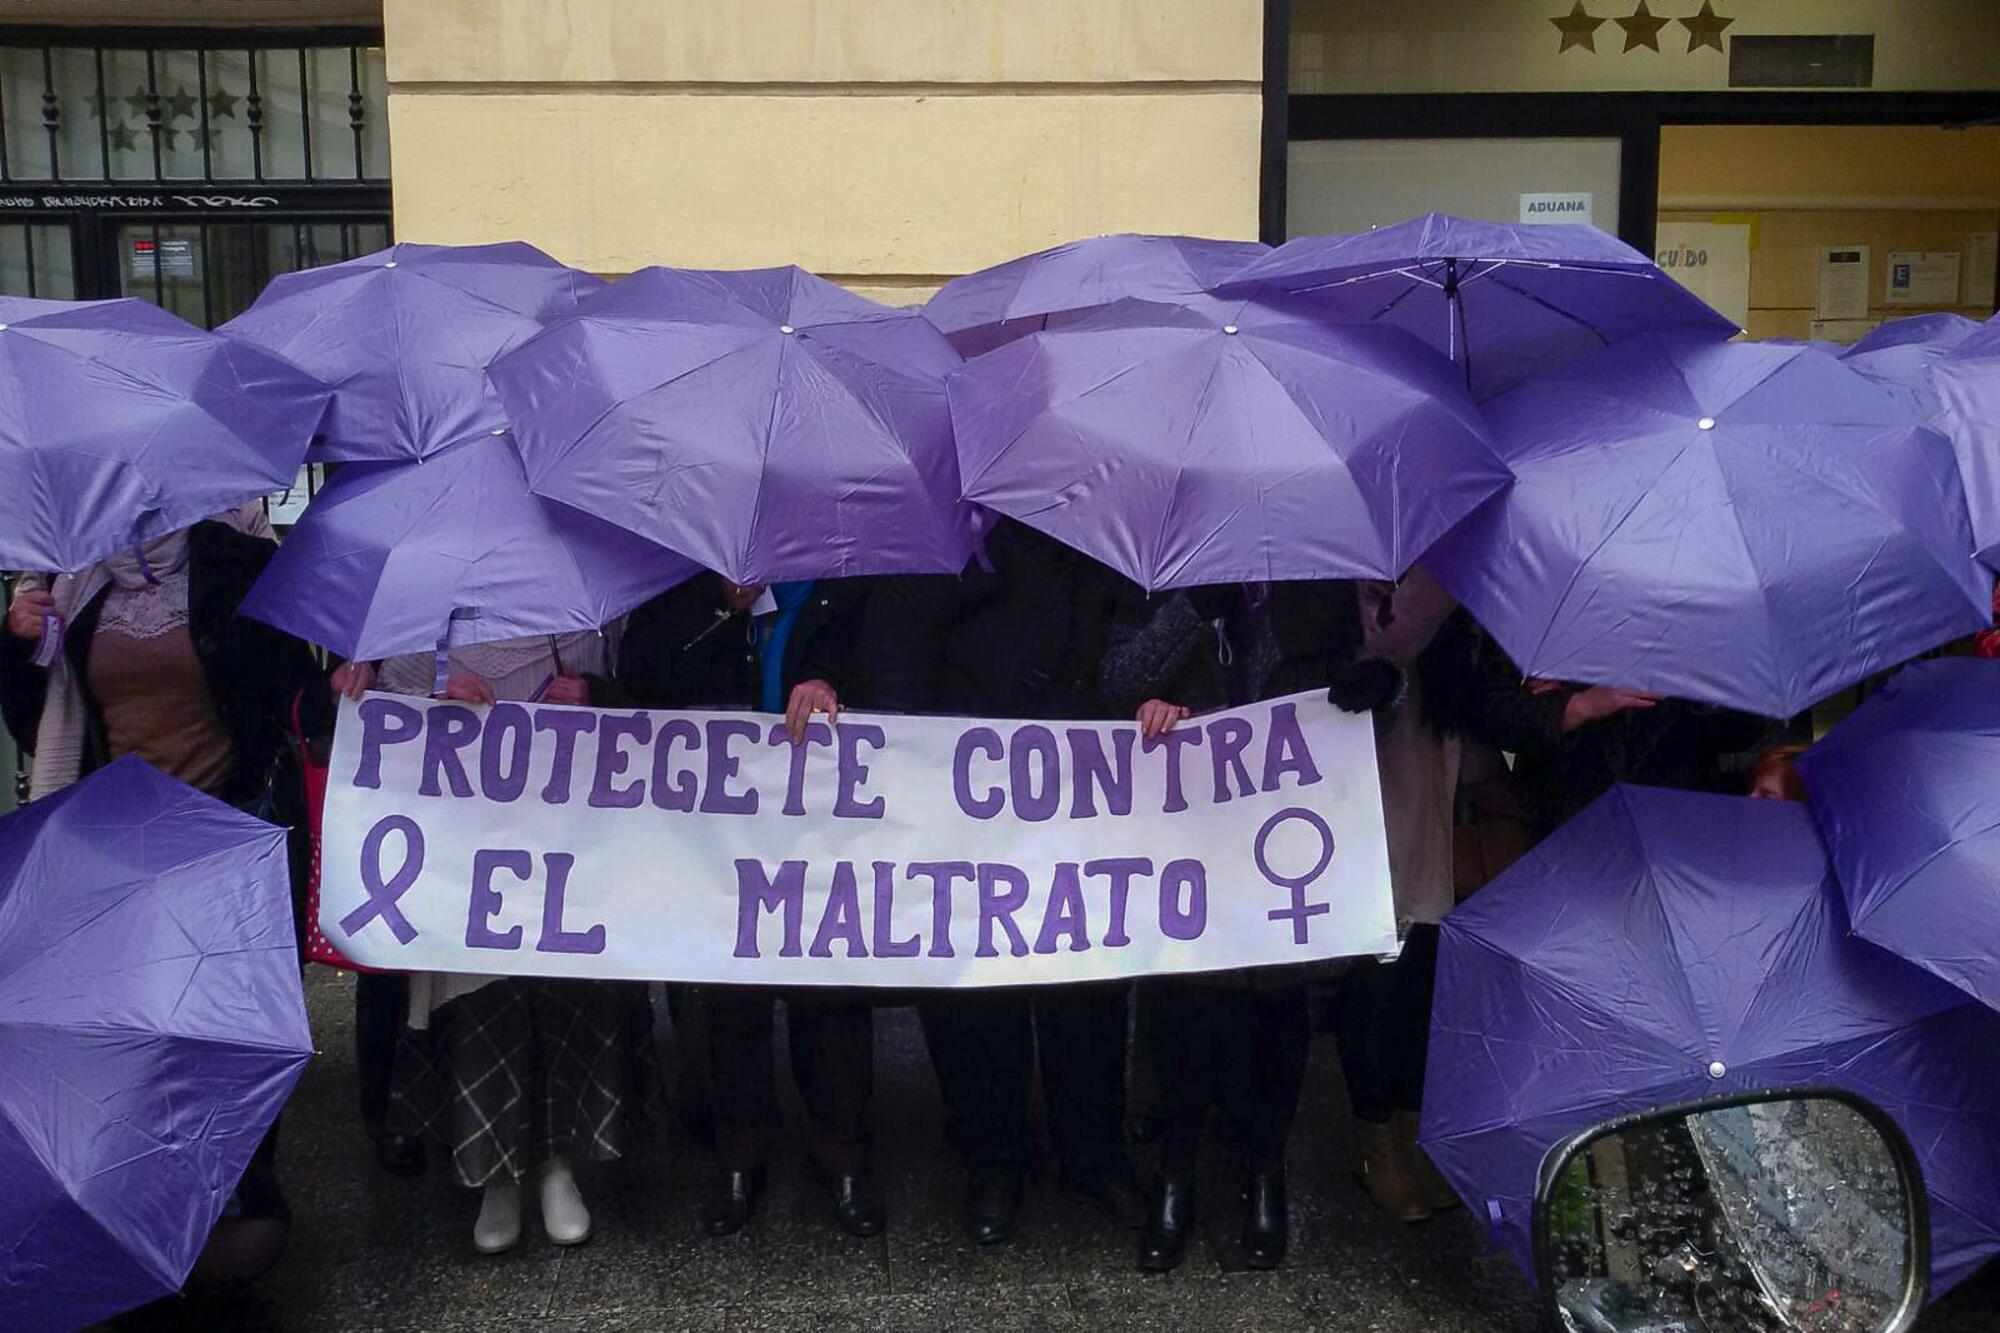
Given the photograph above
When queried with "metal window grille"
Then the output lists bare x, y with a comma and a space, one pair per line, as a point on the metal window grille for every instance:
103, 112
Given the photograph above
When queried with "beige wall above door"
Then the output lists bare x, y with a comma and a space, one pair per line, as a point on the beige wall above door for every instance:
888, 144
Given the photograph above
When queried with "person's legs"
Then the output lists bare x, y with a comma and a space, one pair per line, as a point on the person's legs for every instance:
1185, 1015
380, 999
1373, 1028
982, 1046
832, 1041
1278, 1037
1080, 1031
743, 1087
1416, 981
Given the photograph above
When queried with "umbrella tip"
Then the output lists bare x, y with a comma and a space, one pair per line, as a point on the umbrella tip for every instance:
499, 430
1707, 423
1717, 1069
1229, 328
390, 264
786, 329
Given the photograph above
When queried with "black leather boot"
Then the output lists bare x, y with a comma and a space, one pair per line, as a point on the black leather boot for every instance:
857, 1209
1168, 1219
991, 1205
733, 1201
1264, 1219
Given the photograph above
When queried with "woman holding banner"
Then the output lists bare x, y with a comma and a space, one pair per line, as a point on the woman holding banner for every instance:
1237, 1041
710, 643
513, 1075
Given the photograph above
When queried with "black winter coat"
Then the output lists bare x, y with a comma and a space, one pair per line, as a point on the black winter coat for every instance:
1020, 639
685, 649
254, 672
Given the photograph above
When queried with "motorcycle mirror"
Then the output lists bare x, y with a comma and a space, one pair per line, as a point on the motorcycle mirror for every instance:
1782, 1212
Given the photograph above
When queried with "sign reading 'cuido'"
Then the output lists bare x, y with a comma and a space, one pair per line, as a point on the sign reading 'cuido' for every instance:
533, 839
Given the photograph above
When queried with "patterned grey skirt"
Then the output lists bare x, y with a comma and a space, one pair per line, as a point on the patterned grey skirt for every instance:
527, 1068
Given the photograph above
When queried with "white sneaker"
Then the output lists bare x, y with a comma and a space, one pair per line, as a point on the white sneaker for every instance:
564, 1218
499, 1226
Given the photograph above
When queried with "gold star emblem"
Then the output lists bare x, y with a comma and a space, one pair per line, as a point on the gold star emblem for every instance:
1705, 28
1577, 28
1642, 29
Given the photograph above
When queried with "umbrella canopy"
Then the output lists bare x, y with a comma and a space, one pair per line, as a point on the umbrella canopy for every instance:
1749, 525
1967, 381
1907, 791
1505, 301
994, 306
149, 992
1900, 355
1224, 440
120, 423
404, 336
388, 552
1667, 946
764, 423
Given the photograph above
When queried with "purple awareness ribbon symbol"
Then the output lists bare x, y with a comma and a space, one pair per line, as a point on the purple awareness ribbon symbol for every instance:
1300, 912
383, 897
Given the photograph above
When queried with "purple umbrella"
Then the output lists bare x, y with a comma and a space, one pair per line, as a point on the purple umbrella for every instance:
1505, 301
1224, 440
1967, 381
120, 423
391, 556
149, 992
1907, 791
1900, 355
766, 423
1666, 946
991, 308
405, 335
1738, 523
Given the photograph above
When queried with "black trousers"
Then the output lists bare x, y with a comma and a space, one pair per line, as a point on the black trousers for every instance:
832, 1042
983, 1045
1384, 1026
1238, 1048
381, 1002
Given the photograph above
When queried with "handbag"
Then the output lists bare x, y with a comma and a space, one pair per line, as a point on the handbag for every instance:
314, 772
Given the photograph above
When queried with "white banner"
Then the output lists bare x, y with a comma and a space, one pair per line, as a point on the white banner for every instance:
886, 851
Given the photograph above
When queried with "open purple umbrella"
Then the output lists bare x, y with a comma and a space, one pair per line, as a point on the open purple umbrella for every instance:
1224, 440
991, 308
765, 423
1967, 381
404, 336
1742, 524
120, 423
1900, 355
1666, 946
1505, 301
392, 557
1907, 791
149, 993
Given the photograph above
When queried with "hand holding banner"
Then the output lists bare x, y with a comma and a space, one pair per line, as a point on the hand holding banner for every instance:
531, 839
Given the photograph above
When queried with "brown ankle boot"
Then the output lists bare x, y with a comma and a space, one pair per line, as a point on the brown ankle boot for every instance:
1387, 1173
1431, 1184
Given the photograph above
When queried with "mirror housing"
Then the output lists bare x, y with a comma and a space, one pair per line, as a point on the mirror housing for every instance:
1801, 1209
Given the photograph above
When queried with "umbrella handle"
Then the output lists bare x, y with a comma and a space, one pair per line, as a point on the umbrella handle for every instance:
441, 671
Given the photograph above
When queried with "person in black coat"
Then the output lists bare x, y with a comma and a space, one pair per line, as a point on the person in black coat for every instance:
1236, 1040
1017, 635
793, 648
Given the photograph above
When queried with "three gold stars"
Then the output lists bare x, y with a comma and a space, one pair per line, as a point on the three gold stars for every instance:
1642, 28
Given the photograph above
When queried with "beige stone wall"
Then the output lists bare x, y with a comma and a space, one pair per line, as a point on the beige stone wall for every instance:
886, 143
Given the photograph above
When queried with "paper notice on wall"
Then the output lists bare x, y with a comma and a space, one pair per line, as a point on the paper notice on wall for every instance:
1559, 206
1710, 259
1922, 277
1843, 331
1979, 276
1843, 282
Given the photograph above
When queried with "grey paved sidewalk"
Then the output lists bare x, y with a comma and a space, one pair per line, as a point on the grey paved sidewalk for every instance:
371, 1252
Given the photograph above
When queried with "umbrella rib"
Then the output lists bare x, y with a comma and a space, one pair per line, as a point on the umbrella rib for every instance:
1167, 510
